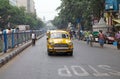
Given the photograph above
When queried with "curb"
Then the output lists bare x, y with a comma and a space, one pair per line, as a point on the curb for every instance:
105, 45
8, 57
110, 46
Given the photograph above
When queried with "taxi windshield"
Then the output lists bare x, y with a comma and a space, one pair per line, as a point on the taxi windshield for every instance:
59, 35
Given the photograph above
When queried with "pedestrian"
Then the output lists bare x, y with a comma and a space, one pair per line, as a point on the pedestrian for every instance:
117, 37
74, 34
9, 35
87, 33
91, 39
8, 31
101, 38
71, 36
78, 34
33, 38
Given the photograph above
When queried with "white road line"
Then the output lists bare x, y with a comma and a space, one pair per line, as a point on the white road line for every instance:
85, 73
108, 68
64, 72
98, 73
80, 71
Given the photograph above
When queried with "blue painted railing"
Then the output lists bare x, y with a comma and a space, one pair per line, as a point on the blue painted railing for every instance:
11, 40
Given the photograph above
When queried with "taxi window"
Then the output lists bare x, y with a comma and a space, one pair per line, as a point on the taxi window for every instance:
59, 35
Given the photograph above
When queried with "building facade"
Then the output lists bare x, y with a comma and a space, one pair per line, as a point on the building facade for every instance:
13, 2
31, 6
28, 4
112, 13
112, 8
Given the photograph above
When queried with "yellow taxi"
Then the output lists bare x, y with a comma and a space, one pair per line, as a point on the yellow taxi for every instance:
59, 41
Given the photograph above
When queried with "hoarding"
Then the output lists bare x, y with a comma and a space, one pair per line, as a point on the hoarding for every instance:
112, 5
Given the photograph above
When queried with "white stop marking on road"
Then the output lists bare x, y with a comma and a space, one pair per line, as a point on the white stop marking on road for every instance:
80, 71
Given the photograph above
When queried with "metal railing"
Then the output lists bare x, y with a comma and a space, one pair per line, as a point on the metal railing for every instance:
11, 40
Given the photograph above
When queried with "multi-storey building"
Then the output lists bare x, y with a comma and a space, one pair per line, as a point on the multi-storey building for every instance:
13, 2
22, 3
31, 6
112, 12
28, 4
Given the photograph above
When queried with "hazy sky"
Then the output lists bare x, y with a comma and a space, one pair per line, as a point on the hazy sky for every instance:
46, 8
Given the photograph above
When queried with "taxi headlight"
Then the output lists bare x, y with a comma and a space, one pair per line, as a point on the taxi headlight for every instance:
51, 43
70, 43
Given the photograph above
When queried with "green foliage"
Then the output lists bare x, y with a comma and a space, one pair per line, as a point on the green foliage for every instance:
17, 16
59, 22
71, 10
4, 12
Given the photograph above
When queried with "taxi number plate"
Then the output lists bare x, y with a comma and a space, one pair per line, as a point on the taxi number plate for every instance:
61, 48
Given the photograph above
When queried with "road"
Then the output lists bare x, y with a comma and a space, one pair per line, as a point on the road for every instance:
86, 63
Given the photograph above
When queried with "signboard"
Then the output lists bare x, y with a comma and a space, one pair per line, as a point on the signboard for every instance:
112, 5
119, 11
119, 8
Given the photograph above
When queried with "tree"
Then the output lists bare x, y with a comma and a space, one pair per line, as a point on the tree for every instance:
12, 16
71, 10
4, 13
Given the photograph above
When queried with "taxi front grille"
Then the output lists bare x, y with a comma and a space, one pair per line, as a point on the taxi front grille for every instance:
60, 45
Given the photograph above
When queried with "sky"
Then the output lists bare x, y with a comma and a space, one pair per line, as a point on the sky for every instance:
47, 8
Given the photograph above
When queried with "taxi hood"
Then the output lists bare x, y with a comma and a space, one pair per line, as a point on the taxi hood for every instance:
60, 40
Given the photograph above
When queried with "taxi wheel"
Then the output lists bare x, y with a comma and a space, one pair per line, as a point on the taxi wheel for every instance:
49, 53
71, 53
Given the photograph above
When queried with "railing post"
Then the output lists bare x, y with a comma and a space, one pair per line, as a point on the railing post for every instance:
5, 41
1, 43
13, 41
26, 37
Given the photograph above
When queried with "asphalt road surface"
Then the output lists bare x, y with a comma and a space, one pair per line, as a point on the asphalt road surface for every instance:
86, 63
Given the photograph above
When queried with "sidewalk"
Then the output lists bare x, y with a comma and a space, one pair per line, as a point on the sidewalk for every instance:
97, 44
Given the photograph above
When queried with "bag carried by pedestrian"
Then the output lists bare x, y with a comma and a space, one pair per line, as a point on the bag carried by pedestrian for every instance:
115, 43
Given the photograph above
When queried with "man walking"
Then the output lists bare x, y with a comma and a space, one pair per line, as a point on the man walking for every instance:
101, 38
87, 33
33, 38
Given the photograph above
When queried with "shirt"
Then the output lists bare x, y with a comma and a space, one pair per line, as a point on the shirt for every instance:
33, 36
118, 35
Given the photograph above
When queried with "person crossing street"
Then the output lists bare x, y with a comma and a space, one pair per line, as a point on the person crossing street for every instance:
91, 39
101, 39
87, 33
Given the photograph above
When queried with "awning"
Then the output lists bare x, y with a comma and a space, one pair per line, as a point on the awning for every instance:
116, 20
117, 25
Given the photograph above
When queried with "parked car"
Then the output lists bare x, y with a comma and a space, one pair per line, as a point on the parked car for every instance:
109, 38
59, 41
